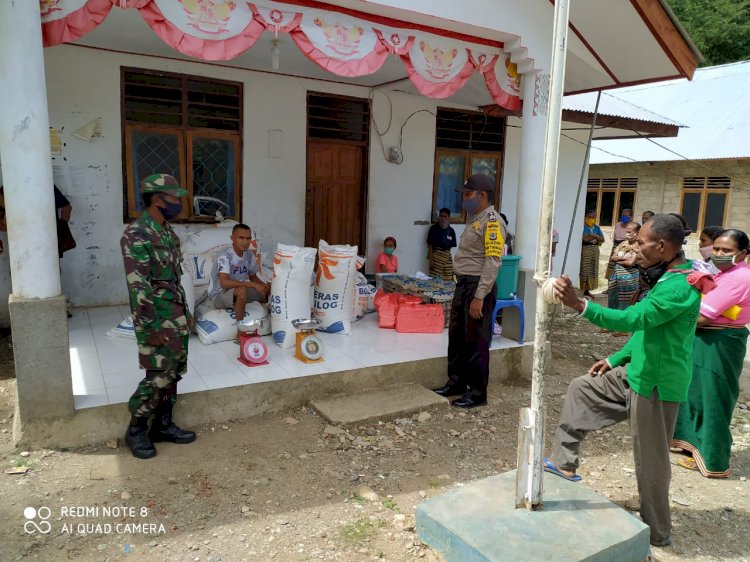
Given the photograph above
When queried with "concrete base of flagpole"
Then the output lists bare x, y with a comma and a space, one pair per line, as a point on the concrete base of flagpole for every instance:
479, 522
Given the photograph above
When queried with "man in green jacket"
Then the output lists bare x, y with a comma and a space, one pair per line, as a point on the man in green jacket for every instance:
646, 380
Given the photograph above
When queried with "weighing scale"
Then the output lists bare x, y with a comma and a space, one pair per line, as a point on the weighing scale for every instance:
253, 352
308, 347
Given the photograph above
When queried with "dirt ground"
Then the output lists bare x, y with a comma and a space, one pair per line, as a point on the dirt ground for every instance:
290, 487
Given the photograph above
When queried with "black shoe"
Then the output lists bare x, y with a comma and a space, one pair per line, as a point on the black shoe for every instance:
449, 390
468, 401
137, 439
164, 429
664, 542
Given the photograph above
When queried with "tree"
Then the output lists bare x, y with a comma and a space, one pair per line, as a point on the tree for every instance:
719, 28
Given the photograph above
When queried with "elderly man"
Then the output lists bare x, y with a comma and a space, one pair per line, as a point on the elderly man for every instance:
646, 380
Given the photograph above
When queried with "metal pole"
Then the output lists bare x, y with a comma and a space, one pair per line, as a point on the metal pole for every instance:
529, 488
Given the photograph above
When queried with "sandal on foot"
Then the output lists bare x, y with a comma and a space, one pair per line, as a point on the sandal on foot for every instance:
552, 469
688, 462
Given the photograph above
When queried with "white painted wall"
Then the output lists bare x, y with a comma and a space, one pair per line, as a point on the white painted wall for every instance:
84, 84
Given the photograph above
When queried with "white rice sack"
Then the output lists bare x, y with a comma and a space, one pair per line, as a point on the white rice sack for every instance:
187, 284
124, 329
290, 290
218, 324
334, 287
364, 298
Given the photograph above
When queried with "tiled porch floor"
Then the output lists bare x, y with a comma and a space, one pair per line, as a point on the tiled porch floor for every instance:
105, 369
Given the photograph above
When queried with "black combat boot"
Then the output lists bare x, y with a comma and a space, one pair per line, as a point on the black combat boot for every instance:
164, 429
137, 439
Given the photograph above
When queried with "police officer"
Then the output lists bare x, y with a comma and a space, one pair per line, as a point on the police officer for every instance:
477, 261
151, 254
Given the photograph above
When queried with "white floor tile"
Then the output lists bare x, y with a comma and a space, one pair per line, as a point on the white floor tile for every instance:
86, 375
120, 394
337, 362
224, 380
265, 373
207, 363
130, 377
82, 401
191, 382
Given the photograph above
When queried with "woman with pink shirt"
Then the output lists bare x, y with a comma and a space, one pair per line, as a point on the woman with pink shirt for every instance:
702, 428
387, 260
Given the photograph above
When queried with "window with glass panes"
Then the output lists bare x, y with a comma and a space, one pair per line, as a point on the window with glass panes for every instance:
466, 143
609, 196
186, 126
704, 201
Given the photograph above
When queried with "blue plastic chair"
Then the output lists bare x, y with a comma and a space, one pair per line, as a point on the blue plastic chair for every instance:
505, 303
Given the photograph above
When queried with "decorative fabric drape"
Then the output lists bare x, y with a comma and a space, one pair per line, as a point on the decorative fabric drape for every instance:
340, 43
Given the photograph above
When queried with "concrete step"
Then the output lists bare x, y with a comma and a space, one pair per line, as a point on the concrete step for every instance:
386, 402
479, 522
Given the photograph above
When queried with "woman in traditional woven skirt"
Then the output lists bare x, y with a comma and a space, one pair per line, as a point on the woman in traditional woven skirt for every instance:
702, 428
623, 283
593, 237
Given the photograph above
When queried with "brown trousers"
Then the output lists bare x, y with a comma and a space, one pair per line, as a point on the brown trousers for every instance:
597, 402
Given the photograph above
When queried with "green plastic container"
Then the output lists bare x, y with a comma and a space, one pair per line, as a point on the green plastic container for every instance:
507, 277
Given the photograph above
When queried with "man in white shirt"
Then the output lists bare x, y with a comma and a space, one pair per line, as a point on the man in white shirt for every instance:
235, 278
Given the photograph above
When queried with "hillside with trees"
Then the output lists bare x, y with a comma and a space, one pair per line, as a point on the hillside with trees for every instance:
719, 28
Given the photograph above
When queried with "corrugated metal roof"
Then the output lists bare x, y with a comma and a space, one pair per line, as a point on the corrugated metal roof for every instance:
714, 108
613, 106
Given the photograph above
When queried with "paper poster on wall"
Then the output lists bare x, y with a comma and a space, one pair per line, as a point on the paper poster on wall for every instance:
61, 178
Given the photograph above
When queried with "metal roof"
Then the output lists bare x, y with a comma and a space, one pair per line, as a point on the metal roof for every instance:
714, 109
613, 106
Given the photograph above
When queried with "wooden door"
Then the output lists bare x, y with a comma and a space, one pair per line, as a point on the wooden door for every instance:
335, 207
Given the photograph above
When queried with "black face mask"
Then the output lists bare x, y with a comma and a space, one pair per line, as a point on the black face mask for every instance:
651, 275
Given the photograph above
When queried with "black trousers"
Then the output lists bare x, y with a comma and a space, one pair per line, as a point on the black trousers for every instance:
469, 339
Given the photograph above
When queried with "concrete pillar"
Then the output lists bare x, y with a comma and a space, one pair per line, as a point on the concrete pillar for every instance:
37, 309
533, 131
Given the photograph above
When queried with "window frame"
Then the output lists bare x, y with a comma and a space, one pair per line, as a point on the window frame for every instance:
618, 190
704, 192
185, 134
468, 154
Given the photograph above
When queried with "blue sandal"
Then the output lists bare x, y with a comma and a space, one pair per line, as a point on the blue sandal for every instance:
552, 469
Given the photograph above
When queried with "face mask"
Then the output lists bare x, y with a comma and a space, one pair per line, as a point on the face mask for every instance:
723, 262
624, 219
630, 237
443, 223
471, 206
171, 210
652, 274
589, 222
389, 251
705, 252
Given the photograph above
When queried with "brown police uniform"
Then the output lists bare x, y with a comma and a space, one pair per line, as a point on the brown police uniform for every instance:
476, 264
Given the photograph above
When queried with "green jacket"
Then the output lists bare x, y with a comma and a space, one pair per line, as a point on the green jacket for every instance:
661, 348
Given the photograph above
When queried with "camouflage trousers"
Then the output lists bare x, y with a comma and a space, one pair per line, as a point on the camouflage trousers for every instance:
159, 387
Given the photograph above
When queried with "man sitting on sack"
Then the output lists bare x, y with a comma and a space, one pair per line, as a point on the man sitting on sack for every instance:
234, 278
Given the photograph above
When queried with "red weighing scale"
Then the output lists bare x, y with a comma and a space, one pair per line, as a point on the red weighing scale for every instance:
253, 352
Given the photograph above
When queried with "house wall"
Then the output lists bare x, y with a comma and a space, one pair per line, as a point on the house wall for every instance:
84, 84
660, 186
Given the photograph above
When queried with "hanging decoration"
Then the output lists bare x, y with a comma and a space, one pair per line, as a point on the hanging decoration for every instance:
340, 43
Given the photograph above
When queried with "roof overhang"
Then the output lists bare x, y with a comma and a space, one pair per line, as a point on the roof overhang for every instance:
612, 43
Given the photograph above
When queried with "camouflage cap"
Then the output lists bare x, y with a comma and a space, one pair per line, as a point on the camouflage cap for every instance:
162, 183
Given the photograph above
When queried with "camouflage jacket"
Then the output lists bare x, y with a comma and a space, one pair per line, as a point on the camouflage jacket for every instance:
151, 255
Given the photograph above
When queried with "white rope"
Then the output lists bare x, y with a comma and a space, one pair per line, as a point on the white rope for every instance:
546, 283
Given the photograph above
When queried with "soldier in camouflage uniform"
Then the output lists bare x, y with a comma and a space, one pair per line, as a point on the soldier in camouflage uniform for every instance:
151, 254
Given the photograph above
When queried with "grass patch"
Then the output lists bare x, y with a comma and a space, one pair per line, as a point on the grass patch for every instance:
358, 499
388, 503
361, 530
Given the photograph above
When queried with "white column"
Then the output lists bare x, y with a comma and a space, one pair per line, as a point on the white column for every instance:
25, 153
533, 132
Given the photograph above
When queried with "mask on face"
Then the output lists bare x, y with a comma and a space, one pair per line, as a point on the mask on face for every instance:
651, 275
443, 223
471, 206
723, 262
589, 222
705, 252
624, 219
389, 251
171, 210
